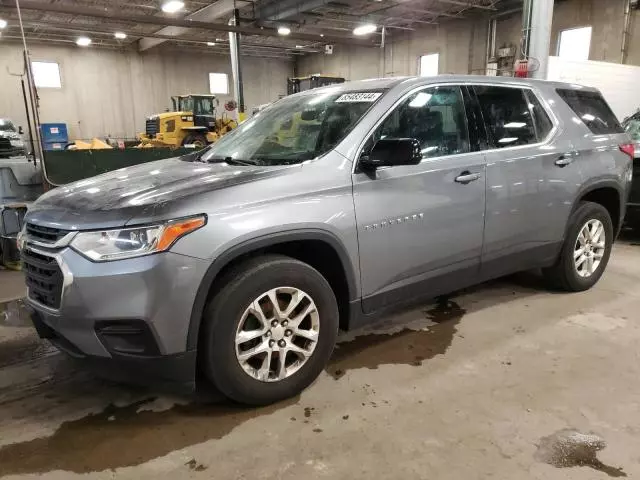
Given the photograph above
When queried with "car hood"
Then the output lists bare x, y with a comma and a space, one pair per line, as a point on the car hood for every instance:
115, 197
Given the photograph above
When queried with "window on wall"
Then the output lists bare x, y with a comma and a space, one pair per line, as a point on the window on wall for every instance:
46, 74
219, 83
574, 44
429, 65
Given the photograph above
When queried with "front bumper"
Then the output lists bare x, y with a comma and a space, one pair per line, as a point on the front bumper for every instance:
128, 320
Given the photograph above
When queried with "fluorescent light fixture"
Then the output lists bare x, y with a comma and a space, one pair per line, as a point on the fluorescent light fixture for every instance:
365, 29
515, 125
299, 46
588, 117
508, 140
211, 44
420, 100
3, 23
83, 41
284, 30
120, 35
172, 6
322, 34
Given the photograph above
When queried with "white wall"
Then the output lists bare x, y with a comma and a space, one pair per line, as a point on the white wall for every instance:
107, 92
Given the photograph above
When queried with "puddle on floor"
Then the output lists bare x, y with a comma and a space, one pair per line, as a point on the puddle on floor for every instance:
410, 347
15, 314
125, 436
132, 435
570, 448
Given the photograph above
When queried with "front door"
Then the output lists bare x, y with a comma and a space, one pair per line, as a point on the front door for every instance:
420, 227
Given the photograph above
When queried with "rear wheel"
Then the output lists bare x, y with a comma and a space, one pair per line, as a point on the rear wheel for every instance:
197, 139
270, 331
586, 249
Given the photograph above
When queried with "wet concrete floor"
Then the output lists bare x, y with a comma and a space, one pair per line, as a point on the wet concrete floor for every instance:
506, 380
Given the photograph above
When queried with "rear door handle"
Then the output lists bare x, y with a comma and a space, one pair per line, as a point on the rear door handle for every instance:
467, 177
566, 159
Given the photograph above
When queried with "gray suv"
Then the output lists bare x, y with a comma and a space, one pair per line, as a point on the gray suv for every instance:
238, 264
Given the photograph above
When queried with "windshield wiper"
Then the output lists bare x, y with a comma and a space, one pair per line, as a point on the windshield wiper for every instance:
232, 161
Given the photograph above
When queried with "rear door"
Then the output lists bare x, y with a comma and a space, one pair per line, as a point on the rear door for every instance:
420, 226
531, 178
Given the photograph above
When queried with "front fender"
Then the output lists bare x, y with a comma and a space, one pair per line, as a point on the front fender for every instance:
255, 244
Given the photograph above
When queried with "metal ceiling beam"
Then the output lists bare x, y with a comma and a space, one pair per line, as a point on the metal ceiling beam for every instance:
468, 4
282, 9
183, 38
108, 14
207, 14
428, 12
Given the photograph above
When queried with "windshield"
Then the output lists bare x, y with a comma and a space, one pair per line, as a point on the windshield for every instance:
294, 129
6, 125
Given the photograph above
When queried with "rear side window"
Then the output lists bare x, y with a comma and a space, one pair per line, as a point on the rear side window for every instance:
592, 110
541, 119
507, 115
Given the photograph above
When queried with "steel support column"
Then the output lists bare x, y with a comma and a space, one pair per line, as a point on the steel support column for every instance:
539, 36
234, 51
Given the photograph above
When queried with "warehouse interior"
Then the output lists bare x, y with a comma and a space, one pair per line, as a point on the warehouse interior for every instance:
505, 378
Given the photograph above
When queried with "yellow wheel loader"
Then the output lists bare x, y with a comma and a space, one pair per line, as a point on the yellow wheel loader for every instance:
192, 122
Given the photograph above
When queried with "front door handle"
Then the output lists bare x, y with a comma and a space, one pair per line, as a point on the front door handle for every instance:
467, 177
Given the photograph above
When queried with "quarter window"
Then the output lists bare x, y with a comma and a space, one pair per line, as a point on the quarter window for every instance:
541, 119
433, 116
507, 115
592, 109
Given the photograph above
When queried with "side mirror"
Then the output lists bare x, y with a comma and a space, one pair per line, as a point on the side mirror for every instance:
392, 152
20, 131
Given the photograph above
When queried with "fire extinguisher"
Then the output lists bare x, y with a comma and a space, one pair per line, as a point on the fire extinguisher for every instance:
522, 69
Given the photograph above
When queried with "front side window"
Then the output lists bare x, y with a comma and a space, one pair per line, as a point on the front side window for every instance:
295, 129
6, 125
434, 116
507, 115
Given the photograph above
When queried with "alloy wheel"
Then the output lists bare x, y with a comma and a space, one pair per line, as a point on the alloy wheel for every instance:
589, 248
277, 334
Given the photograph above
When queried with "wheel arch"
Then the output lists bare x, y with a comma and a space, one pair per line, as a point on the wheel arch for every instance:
339, 278
607, 193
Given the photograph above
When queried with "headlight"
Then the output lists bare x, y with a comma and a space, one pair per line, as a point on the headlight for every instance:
106, 245
17, 142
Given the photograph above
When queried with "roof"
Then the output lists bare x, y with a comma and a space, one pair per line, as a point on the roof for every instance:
390, 82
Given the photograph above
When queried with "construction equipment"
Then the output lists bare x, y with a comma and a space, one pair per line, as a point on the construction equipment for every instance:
301, 84
192, 122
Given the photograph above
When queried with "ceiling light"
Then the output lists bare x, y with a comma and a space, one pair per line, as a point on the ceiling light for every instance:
172, 6
211, 44
299, 46
3, 23
83, 41
284, 30
120, 35
365, 29
322, 34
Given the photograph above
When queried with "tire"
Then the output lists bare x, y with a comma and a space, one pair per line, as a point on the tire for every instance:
565, 274
195, 139
218, 354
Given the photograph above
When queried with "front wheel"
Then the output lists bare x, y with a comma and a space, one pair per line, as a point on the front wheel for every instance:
270, 331
585, 251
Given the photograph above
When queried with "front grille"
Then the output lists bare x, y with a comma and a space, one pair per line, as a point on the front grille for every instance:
5, 144
44, 234
152, 127
44, 278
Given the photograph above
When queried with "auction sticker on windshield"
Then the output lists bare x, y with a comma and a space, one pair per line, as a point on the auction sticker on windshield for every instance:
358, 97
